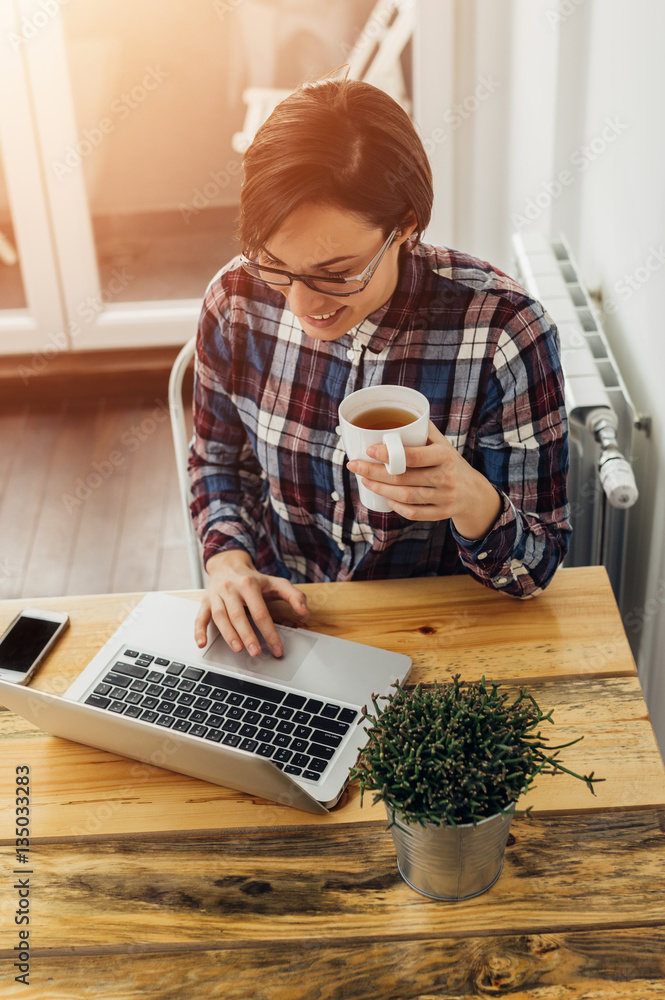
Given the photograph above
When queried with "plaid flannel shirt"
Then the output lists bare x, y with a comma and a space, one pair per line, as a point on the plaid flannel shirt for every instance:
268, 470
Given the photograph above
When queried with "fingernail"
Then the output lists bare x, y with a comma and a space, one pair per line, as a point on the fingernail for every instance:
254, 650
236, 645
276, 650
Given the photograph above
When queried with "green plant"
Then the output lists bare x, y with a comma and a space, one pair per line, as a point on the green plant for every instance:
455, 753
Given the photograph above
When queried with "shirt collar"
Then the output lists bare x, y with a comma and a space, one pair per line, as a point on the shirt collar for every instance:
378, 330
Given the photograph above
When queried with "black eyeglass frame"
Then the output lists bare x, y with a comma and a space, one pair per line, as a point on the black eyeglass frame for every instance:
365, 275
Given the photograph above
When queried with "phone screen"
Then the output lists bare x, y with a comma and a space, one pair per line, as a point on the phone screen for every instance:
24, 642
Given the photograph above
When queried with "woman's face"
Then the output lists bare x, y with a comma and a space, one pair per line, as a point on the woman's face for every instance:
325, 239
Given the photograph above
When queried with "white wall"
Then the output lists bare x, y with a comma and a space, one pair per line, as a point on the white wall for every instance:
572, 140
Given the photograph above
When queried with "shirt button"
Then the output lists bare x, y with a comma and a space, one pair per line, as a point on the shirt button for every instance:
334, 496
338, 429
482, 555
351, 354
502, 579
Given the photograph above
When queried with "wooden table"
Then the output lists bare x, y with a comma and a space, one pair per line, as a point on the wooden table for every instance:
147, 883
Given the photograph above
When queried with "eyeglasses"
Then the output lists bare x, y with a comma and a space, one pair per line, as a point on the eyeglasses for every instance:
329, 284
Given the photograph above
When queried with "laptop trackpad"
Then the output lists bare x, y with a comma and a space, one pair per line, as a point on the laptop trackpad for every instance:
297, 645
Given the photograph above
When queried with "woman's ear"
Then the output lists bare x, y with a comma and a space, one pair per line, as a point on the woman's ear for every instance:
408, 227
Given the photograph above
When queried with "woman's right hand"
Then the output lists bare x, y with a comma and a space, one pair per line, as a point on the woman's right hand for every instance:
235, 587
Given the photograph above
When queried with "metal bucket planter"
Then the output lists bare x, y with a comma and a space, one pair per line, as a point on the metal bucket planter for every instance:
451, 862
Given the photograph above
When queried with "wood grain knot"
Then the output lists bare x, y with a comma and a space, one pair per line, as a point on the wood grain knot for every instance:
427, 629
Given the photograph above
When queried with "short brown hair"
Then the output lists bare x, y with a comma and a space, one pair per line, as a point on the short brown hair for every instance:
338, 142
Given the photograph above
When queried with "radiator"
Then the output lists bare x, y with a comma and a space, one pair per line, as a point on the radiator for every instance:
602, 418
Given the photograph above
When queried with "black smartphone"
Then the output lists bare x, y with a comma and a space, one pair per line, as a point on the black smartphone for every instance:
27, 640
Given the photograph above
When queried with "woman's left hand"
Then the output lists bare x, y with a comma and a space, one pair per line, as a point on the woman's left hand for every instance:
438, 483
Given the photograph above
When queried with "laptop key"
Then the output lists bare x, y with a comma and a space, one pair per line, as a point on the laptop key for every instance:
248, 731
311, 775
181, 725
285, 727
175, 668
248, 744
166, 707
282, 755
117, 680
186, 699
154, 690
264, 734
318, 750
216, 735
203, 703
131, 652
138, 685
269, 722
149, 716
330, 711
198, 716
144, 663
267, 708
291, 769
251, 704
146, 656
281, 740
233, 698
180, 712
231, 726
294, 700
299, 745
328, 739
300, 760
265, 750
317, 764
252, 718
154, 676
117, 706
302, 718
234, 712
313, 706
231, 740
150, 702
102, 689
193, 673
198, 731
302, 733
186, 685
202, 689
118, 693
169, 681
98, 701
133, 711
169, 694
160, 661
218, 707
130, 669
283, 712
165, 720
330, 725
347, 715
215, 721
133, 698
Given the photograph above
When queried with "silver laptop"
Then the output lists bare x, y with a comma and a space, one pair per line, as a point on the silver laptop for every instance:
286, 730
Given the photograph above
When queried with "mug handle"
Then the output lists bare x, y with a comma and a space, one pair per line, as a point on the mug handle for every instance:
396, 464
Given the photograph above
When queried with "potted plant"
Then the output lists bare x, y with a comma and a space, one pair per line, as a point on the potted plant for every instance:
449, 763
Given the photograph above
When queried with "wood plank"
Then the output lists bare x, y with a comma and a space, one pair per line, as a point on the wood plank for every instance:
341, 884
21, 507
114, 794
56, 529
582, 965
152, 467
173, 564
98, 541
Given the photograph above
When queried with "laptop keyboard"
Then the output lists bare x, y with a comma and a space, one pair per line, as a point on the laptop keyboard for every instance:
298, 734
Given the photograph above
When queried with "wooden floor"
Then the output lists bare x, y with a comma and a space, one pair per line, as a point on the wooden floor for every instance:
89, 500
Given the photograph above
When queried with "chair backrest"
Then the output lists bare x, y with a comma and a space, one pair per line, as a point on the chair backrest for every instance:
374, 58
181, 447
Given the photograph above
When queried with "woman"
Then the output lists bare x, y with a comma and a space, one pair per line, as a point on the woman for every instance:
335, 291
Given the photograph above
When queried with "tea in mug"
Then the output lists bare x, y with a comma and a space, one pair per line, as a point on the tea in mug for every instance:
383, 418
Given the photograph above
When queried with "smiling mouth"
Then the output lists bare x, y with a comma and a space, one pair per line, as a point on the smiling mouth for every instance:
324, 315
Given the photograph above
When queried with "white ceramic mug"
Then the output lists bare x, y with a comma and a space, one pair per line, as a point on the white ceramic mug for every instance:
356, 439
